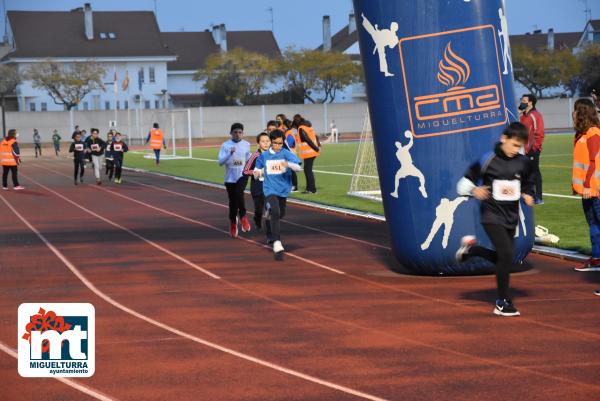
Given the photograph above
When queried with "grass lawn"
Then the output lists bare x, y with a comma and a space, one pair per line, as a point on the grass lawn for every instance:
564, 217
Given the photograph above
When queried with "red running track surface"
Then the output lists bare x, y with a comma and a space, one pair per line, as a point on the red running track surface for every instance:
183, 312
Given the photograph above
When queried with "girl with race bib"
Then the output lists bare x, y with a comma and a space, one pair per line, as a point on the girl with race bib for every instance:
118, 149
499, 180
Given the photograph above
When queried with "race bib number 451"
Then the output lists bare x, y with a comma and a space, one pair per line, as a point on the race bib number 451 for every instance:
506, 190
275, 167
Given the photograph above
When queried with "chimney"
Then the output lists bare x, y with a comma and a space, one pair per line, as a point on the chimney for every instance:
551, 39
223, 42
351, 23
326, 33
88, 21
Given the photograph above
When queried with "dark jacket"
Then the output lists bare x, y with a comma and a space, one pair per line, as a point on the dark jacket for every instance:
497, 166
256, 186
78, 155
98, 141
118, 154
305, 138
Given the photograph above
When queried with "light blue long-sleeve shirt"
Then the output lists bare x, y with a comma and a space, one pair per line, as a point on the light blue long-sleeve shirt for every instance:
278, 179
234, 163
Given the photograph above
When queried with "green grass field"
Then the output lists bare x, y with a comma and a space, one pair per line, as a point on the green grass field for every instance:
564, 217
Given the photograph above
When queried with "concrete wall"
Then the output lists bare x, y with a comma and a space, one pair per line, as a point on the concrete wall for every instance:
216, 121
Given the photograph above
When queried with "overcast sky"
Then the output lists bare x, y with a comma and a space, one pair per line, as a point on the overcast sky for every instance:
306, 31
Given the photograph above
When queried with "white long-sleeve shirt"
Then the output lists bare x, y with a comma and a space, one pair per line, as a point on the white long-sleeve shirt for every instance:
234, 163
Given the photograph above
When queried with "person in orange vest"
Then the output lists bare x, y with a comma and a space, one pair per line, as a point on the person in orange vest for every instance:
157, 141
10, 158
291, 140
309, 149
586, 173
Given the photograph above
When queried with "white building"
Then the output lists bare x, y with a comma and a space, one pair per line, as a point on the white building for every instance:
126, 44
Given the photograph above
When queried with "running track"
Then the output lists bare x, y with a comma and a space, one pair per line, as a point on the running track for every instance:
185, 313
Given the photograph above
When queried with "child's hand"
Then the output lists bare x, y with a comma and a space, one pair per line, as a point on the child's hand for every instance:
231, 151
257, 173
528, 200
481, 193
284, 164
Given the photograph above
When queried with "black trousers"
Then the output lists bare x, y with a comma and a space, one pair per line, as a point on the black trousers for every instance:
259, 205
235, 192
14, 171
110, 168
79, 168
503, 240
118, 163
38, 148
536, 173
311, 186
277, 206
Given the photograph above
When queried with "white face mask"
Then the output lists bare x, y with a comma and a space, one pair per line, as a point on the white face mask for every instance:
17, 135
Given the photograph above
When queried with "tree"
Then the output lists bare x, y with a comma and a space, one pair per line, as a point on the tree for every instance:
67, 84
318, 75
590, 72
9, 79
235, 77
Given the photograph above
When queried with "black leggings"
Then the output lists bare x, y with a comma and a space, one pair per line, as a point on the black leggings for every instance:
277, 204
38, 149
79, 166
503, 240
110, 168
235, 192
536, 173
311, 186
15, 179
259, 205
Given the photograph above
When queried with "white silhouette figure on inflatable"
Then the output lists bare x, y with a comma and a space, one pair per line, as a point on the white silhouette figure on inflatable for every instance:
383, 38
504, 41
522, 220
444, 216
407, 167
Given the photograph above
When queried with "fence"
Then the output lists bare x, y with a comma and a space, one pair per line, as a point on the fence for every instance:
215, 121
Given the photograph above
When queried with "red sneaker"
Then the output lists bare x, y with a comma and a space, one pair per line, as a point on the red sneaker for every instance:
245, 224
233, 230
590, 265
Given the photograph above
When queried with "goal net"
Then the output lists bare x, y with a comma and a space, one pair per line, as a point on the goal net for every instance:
365, 179
177, 127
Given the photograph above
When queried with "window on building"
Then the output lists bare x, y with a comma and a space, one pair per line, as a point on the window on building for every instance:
86, 106
151, 75
157, 104
112, 35
118, 105
141, 75
31, 106
107, 105
102, 35
147, 104
44, 106
126, 104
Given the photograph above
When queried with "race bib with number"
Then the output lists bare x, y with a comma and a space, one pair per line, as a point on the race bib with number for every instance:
506, 190
95, 147
275, 167
118, 147
79, 147
238, 163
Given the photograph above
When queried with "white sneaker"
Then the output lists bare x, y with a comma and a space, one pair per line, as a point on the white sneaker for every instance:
277, 247
5, 188
466, 243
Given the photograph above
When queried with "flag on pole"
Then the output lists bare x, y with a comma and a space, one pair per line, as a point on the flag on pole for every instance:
125, 83
115, 85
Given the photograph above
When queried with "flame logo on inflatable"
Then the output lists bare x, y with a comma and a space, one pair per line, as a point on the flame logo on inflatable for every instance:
454, 71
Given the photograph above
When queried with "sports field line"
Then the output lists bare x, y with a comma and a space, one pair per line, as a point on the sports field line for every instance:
178, 332
322, 266
69, 382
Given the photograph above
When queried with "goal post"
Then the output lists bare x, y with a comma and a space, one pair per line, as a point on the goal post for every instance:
177, 127
365, 178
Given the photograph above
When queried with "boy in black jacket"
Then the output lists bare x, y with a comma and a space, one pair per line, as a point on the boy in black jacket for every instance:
108, 156
499, 180
79, 152
96, 147
256, 185
118, 149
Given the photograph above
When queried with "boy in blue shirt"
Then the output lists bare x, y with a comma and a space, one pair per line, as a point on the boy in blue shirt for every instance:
276, 166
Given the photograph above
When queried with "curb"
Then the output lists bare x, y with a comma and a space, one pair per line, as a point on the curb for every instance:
564, 254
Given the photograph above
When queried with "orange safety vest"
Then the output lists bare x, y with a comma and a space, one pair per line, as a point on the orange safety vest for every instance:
291, 133
306, 152
581, 163
7, 158
156, 138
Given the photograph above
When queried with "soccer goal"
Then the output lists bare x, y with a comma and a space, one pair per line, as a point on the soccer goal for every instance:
177, 127
365, 179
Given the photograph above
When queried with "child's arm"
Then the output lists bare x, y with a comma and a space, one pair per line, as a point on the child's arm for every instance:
125, 147
466, 185
259, 168
224, 155
527, 184
293, 162
72, 147
250, 164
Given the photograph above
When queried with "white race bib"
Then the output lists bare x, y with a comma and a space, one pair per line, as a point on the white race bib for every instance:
79, 147
506, 190
118, 147
275, 167
95, 147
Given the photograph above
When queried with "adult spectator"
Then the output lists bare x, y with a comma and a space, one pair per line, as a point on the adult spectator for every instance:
533, 121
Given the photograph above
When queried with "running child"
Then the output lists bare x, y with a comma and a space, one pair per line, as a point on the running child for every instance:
96, 147
234, 154
256, 185
79, 153
37, 143
157, 141
291, 141
499, 180
108, 156
56, 142
118, 149
276, 165
10, 158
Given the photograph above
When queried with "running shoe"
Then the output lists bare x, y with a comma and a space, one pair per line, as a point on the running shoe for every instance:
294, 189
75, 182
504, 307
19, 188
590, 265
5, 188
245, 224
597, 292
98, 182
257, 223
233, 230
277, 247
466, 243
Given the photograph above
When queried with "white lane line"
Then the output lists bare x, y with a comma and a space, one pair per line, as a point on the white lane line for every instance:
284, 220
69, 382
181, 333
112, 223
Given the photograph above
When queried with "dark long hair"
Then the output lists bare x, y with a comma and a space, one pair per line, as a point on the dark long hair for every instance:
586, 116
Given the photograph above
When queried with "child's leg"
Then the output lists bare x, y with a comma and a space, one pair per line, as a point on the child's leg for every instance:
259, 204
273, 202
96, 163
75, 169
240, 186
5, 171
232, 201
503, 240
294, 180
118, 169
81, 168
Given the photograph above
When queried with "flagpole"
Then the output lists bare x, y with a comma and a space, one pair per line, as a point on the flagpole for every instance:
116, 89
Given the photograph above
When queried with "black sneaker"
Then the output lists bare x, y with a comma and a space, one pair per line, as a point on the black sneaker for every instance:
270, 240
504, 307
258, 223
466, 243
597, 292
